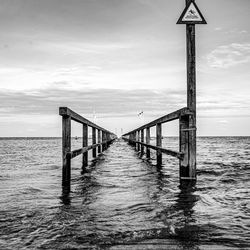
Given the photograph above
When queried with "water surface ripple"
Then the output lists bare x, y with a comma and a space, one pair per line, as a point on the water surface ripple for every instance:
122, 201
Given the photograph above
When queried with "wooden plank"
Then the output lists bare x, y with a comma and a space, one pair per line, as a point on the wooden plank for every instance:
66, 147
159, 143
148, 142
84, 144
94, 141
166, 118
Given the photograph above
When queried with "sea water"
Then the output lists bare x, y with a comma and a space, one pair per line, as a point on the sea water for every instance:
122, 200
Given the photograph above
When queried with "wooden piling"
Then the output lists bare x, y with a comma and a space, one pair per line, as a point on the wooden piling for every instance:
84, 144
99, 140
148, 142
137, 139
159, 144
94, 141
103, 141
142, 140
191, 103
66, 148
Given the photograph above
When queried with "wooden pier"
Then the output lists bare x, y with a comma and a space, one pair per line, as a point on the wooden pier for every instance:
187, 141
101, 143
186, 116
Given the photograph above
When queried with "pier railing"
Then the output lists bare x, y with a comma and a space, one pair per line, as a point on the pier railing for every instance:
187, 141
101, 139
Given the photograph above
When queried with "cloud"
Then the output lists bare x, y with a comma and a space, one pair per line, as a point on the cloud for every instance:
227, 56
105, 102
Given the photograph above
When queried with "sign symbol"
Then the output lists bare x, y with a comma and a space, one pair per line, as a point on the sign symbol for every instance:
191, 15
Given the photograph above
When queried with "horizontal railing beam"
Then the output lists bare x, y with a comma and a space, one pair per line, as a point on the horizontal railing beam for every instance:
64, 111
173, 153
166, 118
79, 151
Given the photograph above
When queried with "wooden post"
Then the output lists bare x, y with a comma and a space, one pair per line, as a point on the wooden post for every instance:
191, 101
107, 138
99, 140
148, 142
94, 141
134, 139
66, 148
142, 140
103, 139
158, 144
137, 139
85, 144
130, 139
184, 146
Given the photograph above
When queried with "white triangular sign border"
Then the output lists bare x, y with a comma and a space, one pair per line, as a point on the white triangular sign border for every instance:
199, 20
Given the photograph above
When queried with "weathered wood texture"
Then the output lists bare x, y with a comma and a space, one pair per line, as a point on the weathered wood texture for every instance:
94, 141
159, 143
85, 144
64, 111
99, 140
142, 140
107, 137
191, 100
148, 142
137, 139
166, 118
173, 153
66, 148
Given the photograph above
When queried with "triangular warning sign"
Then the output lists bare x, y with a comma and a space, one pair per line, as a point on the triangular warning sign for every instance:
191, 15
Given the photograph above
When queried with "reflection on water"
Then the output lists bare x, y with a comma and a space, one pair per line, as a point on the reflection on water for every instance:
123, 201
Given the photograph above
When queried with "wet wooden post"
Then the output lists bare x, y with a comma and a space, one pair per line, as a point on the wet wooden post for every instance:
99, 140
94, 141
148, 142
103, 139
137, 139
184, 146
66, 148
84, 144
188, 123
108, 140
158, 144
191, 99
142, 140
130, 139
134, 138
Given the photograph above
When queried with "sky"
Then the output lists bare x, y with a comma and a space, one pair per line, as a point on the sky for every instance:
108, 60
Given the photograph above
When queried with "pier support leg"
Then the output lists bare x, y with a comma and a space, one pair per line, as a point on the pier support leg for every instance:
66, 148
84, 144
158, 144
137, 139
99, 140
103, 139
94, 141
148, 142
142, 140
188, 147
